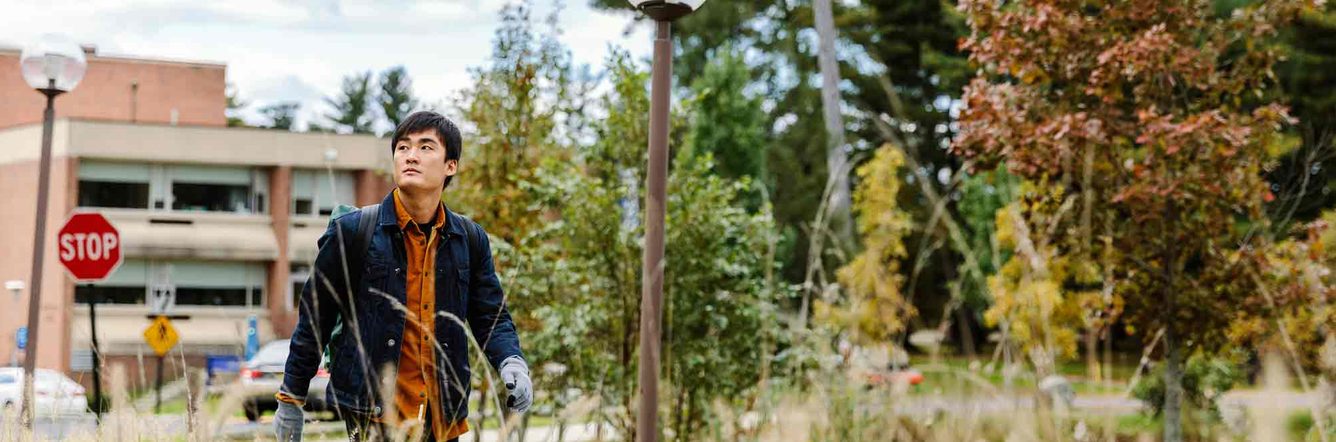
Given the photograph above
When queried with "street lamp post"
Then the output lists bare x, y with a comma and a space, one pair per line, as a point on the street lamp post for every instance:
52, 67
651, 296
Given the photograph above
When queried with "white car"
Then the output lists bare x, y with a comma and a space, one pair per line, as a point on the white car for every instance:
262, 375
54, 393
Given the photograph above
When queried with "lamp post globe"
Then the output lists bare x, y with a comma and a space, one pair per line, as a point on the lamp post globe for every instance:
667, 10
53, 64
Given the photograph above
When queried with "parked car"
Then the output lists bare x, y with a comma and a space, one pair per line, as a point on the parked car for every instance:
53, 393
263, 374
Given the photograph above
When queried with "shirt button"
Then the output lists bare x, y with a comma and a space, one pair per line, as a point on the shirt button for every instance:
390, 342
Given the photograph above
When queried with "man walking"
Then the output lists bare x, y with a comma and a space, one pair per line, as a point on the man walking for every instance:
393, 287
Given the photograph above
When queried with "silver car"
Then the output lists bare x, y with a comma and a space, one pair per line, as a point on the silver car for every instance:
262, 375
53, 393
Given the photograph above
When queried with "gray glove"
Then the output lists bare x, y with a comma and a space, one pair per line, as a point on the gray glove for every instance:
515, 373
288, 422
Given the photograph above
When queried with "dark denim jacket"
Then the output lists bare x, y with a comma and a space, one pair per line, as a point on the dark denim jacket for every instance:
368, 322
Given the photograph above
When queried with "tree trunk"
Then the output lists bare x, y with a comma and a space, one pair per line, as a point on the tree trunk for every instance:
1173, 386
836, 160
1092, 355
966, 332
1173, 357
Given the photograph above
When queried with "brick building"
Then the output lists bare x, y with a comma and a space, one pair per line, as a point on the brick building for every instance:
227, 216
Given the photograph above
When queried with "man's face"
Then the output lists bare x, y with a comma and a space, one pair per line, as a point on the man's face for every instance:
419, 162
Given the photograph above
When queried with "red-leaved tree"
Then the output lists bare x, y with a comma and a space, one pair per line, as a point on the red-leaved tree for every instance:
1153, 119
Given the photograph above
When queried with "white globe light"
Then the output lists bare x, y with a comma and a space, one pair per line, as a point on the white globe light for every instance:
693, 4
667, 10
53, 63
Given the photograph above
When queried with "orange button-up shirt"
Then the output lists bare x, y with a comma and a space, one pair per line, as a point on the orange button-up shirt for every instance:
415, 392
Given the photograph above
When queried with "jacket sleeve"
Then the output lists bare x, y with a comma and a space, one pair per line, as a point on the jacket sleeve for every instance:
318, 308
488, 317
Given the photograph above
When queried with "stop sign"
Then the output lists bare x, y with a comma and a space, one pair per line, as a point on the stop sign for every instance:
89, 247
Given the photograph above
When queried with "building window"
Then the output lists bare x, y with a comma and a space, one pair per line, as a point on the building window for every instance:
113, 194
196, 283
296, 279
109, 294
318, 192
219, 296
113, 184
210, 197
215, 188
173, 187
302, 206
214, 283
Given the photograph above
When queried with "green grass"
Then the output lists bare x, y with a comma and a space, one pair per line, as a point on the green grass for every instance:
1298, 426
951, 375
1139, 423
210, 406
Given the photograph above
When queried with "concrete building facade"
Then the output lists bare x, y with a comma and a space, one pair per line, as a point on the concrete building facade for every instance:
227, 217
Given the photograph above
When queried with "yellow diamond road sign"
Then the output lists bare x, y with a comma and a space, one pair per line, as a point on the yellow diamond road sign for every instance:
161, 335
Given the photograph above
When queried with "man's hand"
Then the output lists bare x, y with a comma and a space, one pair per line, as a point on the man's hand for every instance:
288, 422
515, 373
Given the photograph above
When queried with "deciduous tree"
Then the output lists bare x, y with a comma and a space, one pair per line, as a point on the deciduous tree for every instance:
1145, 114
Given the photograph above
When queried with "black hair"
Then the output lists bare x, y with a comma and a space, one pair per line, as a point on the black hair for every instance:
428, 120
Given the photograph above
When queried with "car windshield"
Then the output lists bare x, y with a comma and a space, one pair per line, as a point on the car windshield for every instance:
272, 353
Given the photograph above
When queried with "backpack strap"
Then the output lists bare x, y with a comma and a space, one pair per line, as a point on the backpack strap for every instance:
356, 248
473, 245
366, 228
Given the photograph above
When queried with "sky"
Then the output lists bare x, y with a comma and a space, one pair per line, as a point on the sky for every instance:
299, 50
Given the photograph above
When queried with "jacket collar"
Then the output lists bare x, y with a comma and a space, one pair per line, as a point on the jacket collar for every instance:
454, 225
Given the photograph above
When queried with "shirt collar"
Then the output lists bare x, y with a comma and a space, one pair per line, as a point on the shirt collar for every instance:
402, 217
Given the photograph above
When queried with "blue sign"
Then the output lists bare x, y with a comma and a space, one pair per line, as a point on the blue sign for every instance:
21, 337
252, 337
218, 364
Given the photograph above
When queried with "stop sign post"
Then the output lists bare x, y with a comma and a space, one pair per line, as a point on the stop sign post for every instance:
89, 247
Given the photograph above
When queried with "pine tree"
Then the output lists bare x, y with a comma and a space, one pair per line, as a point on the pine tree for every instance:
352, 111
395, 96
281, 115
234, 107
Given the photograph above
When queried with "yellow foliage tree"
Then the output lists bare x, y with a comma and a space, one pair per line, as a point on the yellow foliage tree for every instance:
1296, 316
874, 309
1041, 296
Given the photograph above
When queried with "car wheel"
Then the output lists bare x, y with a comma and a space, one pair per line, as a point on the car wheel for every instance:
252, 411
